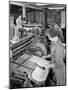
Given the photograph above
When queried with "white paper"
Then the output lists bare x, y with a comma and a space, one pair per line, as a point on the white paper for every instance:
40, 61
40, 74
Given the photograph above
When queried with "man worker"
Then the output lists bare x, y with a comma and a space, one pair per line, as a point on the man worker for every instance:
19, 23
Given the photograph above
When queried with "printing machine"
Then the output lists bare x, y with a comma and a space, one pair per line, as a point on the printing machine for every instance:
19, 47
20, 65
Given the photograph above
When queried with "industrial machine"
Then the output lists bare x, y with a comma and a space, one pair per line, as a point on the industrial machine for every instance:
23, 68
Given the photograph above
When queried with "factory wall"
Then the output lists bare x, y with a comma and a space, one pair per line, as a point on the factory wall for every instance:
54, 16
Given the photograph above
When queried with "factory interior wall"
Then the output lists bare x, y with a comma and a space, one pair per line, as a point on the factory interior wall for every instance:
54, 16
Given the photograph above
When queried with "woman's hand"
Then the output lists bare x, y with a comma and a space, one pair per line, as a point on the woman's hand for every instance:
48, 56
44, 57
50, 66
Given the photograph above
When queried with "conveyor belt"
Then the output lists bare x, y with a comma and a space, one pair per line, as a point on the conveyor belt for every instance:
18, 48
23, 41
21, 48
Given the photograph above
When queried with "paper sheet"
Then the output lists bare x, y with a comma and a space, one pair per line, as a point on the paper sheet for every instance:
40, 61
40, 74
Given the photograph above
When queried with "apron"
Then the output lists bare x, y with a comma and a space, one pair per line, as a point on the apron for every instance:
57, 51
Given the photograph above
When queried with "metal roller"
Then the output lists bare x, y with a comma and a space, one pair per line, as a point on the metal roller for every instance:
18, 48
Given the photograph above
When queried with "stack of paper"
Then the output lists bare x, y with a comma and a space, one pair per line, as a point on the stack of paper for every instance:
40, 74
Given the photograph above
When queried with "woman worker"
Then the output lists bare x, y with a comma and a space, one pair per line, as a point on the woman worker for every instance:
57, 56
38, 44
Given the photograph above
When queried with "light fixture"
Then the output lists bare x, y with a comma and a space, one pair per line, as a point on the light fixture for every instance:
41, 4
56, 8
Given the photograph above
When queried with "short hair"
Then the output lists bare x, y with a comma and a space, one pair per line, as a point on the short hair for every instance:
37, 31
53, 33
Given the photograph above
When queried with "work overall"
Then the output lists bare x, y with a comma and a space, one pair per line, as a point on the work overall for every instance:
57, 51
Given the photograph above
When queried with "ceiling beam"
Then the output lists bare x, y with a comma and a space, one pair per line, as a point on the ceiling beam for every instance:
16, 3
34, 7
53, 5
27, 5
